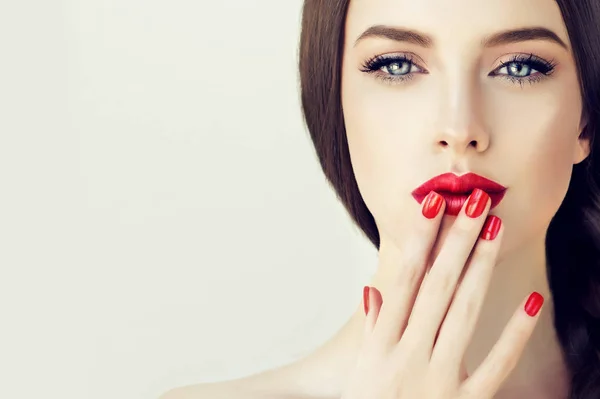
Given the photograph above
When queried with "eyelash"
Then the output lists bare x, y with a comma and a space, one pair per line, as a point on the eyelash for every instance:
546, 68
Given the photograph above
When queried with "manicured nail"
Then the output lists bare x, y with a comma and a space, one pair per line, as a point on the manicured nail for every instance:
534, 304
477, 202
432, 205
366, 299
491, 227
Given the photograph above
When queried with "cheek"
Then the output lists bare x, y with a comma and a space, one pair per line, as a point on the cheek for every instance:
384, 132
544, 150
551, 168
387, 132
538, 177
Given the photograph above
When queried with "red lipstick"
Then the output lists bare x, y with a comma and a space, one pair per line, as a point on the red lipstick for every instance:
456, 190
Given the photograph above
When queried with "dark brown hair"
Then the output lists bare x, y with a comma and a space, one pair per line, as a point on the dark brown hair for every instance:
573, 237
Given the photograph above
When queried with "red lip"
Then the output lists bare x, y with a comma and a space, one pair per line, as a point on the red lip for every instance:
456, 189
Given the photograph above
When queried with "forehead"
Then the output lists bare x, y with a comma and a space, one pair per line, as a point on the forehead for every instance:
459, 22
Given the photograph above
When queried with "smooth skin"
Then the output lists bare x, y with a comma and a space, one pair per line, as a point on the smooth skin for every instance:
461, 111
448, 299
414, 341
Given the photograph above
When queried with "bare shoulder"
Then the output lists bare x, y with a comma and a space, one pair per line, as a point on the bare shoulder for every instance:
260, 386
222, 390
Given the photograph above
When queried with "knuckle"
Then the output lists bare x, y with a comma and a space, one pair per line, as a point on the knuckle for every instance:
410, 276
468, 393
463, 228
411, 270
504, 364
442, 282
484, 250
518, 337
511, 363
472, 303
420, 229
408, 350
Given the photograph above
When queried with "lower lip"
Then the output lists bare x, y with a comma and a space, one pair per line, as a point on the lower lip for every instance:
455, 202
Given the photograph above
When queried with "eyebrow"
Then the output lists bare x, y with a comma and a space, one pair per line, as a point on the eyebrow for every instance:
497, 39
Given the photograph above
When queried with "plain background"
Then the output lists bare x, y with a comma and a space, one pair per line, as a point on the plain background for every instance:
164, 219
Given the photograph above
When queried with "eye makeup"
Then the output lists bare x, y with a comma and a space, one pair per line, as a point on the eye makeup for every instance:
395, 69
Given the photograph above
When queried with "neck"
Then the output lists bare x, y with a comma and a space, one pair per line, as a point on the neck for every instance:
540, 371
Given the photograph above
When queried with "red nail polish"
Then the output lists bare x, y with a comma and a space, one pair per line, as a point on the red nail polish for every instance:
432, 205
491, 227
477, 202
366, 299
534, 304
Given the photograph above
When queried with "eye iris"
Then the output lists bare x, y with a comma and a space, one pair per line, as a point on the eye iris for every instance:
518, 68
395, 67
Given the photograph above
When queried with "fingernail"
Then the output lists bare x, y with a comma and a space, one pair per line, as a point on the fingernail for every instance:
534, 304
491, 227
432, 205
366, 299
477, 202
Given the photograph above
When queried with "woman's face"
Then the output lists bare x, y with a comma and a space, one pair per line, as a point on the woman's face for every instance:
452, 106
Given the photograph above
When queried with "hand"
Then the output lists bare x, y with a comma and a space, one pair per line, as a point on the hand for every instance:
415, 341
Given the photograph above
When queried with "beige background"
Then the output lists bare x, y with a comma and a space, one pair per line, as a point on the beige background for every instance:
164, 220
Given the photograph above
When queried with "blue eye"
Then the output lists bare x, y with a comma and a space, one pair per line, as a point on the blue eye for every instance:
519, 69
393, 68
396, 69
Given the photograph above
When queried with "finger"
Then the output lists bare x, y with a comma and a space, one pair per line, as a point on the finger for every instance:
505, 354
402, 291
463, 374
375, 301
440, 284
459, 323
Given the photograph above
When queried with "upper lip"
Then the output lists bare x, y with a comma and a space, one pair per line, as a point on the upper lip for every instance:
465, 184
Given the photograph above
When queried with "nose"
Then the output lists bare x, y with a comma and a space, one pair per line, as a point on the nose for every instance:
461, 128
462, 140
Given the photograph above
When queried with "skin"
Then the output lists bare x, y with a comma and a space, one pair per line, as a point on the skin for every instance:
428, 126
452, 116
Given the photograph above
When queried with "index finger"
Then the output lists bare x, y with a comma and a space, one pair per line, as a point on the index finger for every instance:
401, 295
